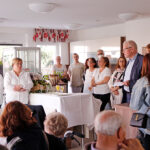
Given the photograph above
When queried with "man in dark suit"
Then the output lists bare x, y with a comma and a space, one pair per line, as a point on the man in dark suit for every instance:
133, 69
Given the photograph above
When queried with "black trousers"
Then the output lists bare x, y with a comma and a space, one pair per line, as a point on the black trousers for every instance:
144, 139
105, 98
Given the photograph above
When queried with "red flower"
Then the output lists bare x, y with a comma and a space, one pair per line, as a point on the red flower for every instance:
57, 37
49, 38
34, 37
62, 35
66, 36
53, 35
45, 34
37, 35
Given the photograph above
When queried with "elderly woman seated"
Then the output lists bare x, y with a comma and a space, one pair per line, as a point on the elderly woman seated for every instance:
55, 126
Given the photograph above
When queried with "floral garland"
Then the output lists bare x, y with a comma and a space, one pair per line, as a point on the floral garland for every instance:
50, 35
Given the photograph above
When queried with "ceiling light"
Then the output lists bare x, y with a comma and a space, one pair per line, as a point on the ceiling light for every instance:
42, 7
72, 26
127, 16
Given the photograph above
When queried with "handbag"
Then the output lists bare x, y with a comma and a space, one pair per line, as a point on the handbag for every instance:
139, 120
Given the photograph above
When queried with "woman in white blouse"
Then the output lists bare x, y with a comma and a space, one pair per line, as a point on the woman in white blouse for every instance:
17, 83
59, 68
100, 80
92, 64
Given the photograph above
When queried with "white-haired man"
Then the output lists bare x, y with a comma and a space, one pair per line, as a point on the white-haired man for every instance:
100, 53
110, 134
133, 69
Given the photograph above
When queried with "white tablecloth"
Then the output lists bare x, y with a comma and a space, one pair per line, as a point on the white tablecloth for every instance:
77, 107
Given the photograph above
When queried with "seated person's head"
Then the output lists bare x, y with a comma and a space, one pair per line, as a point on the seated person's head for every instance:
15, 116
56, 124
109, 127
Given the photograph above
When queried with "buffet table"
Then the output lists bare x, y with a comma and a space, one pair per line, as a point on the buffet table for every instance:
77, 107
125, 111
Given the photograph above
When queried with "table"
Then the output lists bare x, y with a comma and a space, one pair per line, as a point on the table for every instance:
125, 111
77, 107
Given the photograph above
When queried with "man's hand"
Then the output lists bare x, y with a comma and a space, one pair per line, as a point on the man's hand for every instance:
126, 83
131, 144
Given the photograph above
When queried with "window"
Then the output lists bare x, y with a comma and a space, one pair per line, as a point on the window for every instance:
6, 56
81, 51
48, 54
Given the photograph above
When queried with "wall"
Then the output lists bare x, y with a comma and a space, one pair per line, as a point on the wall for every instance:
138, 30
16, 36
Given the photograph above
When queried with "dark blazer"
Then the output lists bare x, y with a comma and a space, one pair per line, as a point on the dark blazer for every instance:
136, 71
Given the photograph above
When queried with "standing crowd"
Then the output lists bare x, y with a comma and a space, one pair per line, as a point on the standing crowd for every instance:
129, 83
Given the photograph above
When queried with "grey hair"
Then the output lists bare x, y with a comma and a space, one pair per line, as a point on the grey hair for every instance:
56, 123
107, 122
131, 43
100, 50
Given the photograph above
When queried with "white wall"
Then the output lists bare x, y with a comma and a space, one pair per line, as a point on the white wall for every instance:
16, 36
137, 30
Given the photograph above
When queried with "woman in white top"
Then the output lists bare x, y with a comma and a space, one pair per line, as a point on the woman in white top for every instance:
59, 68
17, 83
115, 83
100, 80
89, 74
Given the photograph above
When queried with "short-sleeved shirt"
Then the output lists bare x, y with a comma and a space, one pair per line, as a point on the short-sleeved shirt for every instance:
76, 74
99, 76
87, 82
59, 70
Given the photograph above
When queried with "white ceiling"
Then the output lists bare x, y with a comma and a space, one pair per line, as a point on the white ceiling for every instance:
88, 13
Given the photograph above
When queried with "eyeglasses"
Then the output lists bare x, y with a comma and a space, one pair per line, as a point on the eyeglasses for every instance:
127, 48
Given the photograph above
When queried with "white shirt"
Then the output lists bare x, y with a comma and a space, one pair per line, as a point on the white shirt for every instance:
10, 80
99, 76
87, 83
128, 72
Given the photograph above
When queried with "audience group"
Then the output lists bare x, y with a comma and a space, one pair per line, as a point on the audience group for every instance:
129, 83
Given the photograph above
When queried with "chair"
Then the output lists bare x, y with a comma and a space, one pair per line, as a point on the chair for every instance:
39, 114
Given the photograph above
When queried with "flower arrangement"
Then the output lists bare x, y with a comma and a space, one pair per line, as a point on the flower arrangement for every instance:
40, 84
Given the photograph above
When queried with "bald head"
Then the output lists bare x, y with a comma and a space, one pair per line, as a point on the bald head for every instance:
107, 122
129, 49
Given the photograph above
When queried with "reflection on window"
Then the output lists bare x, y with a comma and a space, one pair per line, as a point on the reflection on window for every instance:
48, 54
